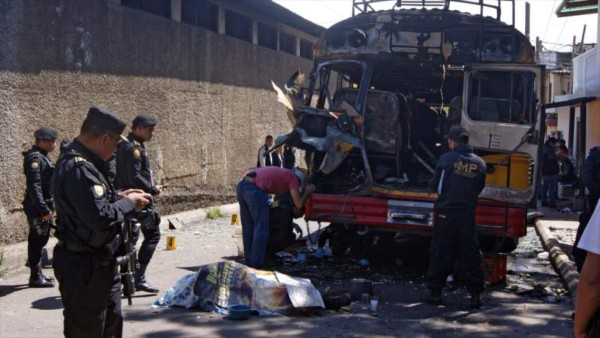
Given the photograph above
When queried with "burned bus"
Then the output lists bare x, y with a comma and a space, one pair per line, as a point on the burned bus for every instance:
385, 88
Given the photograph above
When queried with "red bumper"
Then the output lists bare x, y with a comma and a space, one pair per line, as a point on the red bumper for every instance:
492, 218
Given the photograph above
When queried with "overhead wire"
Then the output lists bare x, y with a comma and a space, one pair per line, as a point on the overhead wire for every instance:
549, 20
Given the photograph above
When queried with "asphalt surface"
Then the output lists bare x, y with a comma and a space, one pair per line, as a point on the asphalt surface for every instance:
531, 302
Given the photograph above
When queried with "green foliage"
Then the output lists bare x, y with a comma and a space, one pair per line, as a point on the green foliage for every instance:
214, 213
2, 268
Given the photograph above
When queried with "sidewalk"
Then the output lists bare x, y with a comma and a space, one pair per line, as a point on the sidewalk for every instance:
14, 256
557, 232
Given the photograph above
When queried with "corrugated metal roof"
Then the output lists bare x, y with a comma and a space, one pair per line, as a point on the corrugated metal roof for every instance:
576, 7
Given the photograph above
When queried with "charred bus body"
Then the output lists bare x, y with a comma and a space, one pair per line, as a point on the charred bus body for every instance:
385, 88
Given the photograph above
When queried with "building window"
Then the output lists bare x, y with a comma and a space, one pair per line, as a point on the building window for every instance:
156, 7
287, 43
267, 36
200, 13
306, 49
238, 26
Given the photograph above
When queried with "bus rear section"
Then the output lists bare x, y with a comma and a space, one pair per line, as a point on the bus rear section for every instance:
386, 87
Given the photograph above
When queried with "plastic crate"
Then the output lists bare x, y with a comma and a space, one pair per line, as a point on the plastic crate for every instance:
493, 266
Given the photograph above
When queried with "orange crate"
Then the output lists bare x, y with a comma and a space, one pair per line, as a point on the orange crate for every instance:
493, 266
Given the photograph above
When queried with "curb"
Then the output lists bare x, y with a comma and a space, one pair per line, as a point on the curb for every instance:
558, 258
14, 256
196, 215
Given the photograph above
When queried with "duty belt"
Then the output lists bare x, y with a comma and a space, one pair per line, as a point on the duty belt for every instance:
71, 246
98, 262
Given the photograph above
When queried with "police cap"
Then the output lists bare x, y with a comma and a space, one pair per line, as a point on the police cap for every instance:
45, 133
144, 120
458, 134
105, 120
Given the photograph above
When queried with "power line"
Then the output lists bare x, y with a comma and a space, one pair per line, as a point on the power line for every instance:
549, 20
563, 28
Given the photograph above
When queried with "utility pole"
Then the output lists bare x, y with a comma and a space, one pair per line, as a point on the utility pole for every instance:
582, 38
538, 48
527, 17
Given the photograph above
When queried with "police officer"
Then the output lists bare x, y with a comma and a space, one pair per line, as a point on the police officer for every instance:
459, 178
38, 204
133, 172
89, 216
289, 157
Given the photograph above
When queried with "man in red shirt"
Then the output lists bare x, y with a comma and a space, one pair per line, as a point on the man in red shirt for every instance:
253, 196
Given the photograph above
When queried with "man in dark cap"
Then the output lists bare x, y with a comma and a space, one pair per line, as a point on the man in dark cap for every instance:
90, 214
458, 179
133, 172
38, 204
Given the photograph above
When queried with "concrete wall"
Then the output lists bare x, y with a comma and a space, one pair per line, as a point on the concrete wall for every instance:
211, 94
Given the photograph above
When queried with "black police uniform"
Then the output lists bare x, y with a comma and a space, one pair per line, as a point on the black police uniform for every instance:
133, 172
289, 157
460, 175
37, 203
89, 217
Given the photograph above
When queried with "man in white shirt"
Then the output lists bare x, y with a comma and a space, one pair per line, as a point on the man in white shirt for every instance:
264, 157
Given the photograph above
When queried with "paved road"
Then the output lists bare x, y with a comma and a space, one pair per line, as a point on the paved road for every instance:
26, 312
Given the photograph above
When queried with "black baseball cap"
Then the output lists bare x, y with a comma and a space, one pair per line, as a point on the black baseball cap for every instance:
144, 120
105, 120
458, 134
45, 133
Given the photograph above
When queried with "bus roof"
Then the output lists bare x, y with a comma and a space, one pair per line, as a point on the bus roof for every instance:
426, 35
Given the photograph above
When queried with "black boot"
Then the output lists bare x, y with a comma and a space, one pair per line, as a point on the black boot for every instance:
140, 280
37, 280
475, 300
434, 297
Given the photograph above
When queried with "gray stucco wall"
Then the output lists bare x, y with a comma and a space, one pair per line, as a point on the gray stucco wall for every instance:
211, 94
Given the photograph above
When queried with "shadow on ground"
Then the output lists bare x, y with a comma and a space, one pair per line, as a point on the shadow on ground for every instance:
48, 303
6, 290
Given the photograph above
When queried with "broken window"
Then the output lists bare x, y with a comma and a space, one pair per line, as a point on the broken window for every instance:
156, 7
267, 36
334, 78
501, 96
238, 26
287, 43
200, 13
306, 49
